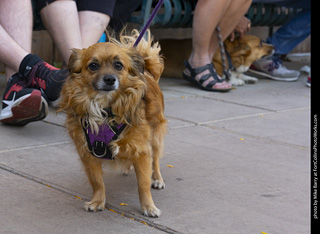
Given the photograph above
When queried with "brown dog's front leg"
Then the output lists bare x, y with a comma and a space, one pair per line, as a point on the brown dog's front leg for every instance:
94, 172
157, 180
143, 169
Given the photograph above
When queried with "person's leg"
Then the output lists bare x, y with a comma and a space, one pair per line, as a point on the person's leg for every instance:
94, 17
92, 26
72, 29
199, 68
288, 36
15, 33
207, 16
61, 20
229, 20
20, 104
285, 39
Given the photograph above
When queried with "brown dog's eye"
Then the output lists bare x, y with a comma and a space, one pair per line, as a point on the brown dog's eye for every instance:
94, 66
118, 66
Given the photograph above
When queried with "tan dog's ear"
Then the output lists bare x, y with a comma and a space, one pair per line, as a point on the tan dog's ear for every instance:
137, 62
74, 64
240, 49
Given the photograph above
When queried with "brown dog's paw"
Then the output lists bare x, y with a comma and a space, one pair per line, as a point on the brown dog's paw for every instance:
151, 211
94, 206
158, 184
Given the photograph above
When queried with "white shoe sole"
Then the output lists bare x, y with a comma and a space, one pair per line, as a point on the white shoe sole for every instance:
28, 108
273, 77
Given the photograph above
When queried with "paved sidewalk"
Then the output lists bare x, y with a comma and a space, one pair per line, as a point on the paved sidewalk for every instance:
240, 164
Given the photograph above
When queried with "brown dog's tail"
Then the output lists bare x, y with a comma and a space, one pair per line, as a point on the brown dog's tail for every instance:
147, 48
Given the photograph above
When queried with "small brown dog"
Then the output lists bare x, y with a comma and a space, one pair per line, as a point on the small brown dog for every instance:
114, 86
243, 52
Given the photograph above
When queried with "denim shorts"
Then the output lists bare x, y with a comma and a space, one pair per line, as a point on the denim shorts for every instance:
102, 6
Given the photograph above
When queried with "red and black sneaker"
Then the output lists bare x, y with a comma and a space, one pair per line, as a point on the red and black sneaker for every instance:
43, 76
21, 105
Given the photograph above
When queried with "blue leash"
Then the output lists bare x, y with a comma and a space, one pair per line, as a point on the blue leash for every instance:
147, 25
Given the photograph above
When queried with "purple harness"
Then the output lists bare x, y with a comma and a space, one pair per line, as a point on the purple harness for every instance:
99, 144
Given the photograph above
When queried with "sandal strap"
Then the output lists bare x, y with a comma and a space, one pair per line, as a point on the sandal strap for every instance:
196, 71
212, 73
205, 77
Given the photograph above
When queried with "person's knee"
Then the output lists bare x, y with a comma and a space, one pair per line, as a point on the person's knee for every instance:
240, 6
244, 3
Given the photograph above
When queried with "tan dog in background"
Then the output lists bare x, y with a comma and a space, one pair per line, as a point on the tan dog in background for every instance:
125, 79
243, 53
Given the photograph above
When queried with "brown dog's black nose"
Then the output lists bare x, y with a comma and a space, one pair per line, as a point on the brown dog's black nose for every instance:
107, 83
109, 80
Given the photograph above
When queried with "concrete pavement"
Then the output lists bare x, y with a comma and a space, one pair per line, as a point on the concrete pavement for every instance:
236, 162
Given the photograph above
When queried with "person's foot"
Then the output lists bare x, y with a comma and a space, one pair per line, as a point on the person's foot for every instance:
206, 78
21, 105
43, 76
272, 68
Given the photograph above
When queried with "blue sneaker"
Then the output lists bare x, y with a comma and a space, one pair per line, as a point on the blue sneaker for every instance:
272, 68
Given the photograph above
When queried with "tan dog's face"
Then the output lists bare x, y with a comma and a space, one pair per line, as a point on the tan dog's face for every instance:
246, 50
105, 70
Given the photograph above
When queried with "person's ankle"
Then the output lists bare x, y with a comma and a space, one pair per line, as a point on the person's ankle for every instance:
198, 62
27, 62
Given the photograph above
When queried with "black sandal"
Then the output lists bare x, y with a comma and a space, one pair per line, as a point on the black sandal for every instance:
212, 73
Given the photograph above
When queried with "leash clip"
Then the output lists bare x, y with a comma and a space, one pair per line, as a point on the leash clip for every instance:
99, 149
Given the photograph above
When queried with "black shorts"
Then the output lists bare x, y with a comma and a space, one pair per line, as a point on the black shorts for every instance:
122, 13
102, 6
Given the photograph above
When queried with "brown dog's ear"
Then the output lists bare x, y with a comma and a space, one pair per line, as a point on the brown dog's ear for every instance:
137, 62
240, 49
74, 64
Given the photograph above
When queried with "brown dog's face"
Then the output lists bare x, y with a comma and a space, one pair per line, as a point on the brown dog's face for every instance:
246, 50
105, 69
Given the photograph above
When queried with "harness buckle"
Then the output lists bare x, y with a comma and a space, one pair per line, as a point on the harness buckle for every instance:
99, 149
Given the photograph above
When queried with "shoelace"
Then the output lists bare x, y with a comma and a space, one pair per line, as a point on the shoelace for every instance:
31, 77
275, 64
31, 74
21, 83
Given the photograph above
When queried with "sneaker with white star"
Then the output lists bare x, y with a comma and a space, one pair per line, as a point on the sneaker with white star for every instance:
21, 105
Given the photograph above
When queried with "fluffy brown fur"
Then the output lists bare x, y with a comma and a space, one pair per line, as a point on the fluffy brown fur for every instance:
135, 98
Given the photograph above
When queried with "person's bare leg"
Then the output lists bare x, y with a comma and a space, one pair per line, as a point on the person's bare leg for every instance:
15, 33
92, 25
61, 20
207, 15
235, 11
206, 18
